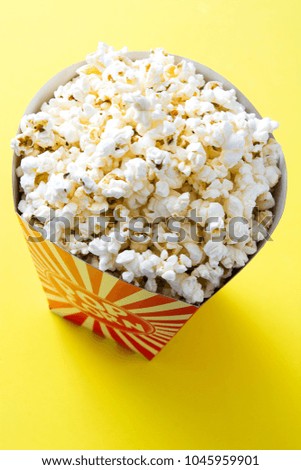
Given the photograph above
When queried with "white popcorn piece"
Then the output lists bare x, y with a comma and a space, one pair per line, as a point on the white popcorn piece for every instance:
125, 257
234, 206
216, 251
148, 140
162, 188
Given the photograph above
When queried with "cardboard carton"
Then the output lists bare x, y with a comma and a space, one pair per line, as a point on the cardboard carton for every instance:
132, 316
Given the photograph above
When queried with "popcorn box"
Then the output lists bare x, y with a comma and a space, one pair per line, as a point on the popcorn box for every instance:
132, 316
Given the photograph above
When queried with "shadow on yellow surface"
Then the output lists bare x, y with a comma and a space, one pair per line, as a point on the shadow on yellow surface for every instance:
212, 380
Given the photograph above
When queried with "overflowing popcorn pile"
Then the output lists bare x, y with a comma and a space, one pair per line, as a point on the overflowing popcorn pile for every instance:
147, 140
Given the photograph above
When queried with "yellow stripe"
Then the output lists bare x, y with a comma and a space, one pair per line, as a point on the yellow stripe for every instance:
168, 329
165, 324
152, 340
105, 331
57, 298
127, 342
107, 284
82, 269
62, 263
165, 332
65, 311
88, 323
50, 289
160, 308
141, 295
164, 335
173, 317
57, 313
41, 253
48, 286
145, 346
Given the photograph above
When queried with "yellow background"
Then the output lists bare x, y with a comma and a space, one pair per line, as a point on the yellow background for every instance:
232, 377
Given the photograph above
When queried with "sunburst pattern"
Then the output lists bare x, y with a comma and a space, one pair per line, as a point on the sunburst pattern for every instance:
135, 318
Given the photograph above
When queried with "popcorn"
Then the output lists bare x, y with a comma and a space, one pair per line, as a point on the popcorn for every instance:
215, 251
162, 188
128, 145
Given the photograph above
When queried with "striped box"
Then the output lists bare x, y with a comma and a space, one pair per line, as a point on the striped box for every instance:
135, 318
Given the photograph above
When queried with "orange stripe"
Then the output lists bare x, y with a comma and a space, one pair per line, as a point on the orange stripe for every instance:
42, 275
166, 337
69, 262
168, 329
147, 340
37, 256
168, 323
122, 289
28, 231
166, 313
95, 278
77, 318
50, 290
150, 302
39, 251
161, 335
145, 352
117, 338
97, 328
55, 304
